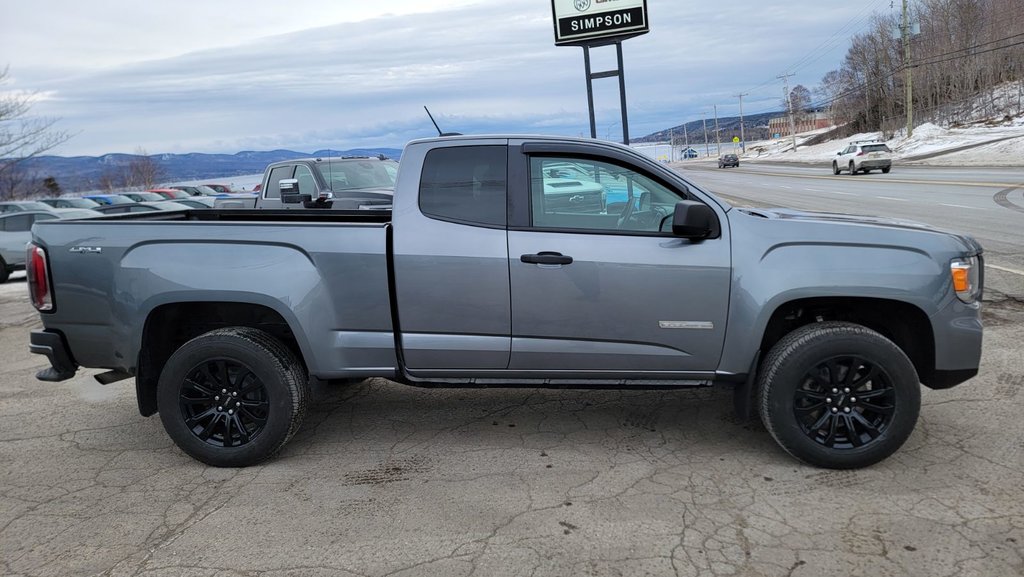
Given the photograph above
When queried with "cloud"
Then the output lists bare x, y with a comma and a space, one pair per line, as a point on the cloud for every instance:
486, 67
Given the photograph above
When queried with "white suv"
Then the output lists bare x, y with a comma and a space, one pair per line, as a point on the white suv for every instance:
866, 156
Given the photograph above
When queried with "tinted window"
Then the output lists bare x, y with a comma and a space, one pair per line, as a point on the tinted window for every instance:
276, 175
568, 193
38, 217
465, 184
876, 148
18, 223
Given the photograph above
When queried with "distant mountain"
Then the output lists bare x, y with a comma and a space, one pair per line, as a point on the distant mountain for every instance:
78, 173
755, 127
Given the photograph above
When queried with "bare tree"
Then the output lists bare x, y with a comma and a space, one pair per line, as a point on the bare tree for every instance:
22, 136
143, 170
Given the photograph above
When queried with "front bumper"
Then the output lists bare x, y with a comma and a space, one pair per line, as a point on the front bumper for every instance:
52, 345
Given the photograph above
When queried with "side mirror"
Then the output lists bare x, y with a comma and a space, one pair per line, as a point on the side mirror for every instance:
694, 220
289, 188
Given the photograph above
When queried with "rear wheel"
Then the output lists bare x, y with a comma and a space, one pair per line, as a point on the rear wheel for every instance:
835, 167
838, 395
232, 397
886, 170
4, 273
853, 169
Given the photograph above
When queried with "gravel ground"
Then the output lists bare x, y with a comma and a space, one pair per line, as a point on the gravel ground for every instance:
390, 480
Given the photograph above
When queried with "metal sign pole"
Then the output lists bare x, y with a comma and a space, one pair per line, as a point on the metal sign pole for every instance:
622, 94
590, 90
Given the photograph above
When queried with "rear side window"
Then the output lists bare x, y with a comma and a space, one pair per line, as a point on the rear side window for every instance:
276, 175
18, 223
465, 184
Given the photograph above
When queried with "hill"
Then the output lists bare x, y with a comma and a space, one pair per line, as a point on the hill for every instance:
78, 173
755, 127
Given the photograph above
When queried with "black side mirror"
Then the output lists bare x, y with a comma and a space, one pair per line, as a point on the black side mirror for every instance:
694, 220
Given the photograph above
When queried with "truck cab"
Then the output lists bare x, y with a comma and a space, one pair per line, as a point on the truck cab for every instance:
347, 182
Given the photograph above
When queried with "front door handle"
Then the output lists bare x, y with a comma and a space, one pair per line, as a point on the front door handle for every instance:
546, 257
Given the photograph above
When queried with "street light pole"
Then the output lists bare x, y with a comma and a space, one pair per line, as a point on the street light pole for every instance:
743, 140
718, 135
704, 119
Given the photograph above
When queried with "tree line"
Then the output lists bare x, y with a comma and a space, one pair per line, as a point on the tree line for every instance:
964, 48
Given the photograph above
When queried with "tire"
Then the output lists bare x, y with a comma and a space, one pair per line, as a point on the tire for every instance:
866, 171
804, 405
272, 389
853, 169
4, 272
835, 167
886, 170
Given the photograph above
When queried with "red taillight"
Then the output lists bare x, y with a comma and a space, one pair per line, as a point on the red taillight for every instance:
38, 278
861, 153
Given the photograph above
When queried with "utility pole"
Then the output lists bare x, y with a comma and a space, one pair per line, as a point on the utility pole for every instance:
718, 138
704, 119
789, 107
686, 140
743, 140
906, 64
671, 144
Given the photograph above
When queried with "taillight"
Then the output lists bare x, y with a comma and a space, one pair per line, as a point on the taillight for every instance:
861, 153
38, 278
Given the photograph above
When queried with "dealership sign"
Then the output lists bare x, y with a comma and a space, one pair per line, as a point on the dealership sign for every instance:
586, 21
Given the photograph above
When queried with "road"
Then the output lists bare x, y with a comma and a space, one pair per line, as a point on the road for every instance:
987, 203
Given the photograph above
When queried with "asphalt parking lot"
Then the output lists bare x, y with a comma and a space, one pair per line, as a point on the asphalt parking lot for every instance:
389, 480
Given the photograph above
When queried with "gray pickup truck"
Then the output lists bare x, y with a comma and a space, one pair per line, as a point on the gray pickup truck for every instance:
485, 275
347, 182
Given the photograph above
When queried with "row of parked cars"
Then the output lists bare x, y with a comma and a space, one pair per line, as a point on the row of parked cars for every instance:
17, 217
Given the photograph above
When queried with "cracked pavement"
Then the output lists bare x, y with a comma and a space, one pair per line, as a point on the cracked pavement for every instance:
387, 480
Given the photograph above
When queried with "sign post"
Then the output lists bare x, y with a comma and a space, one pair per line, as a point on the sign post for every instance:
593, 23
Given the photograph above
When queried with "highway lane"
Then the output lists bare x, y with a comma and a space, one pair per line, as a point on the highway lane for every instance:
987, 203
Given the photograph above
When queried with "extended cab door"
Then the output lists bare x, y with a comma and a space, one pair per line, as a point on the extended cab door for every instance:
610, 292
451, 257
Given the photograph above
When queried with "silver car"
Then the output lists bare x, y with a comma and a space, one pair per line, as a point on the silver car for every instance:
15, 233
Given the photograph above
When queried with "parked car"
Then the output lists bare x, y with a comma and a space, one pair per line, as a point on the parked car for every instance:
22, 206
146, 206
198, 190
145, 196
727, 160
222, 188
863, 157
108, 199
170, 193
195, 202
15, 234
70, 202
73, 213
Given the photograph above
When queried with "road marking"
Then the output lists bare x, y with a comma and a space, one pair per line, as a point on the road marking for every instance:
814, 190
891, 198
842, 193
1004, 269
784, 186
847, 178
962, 206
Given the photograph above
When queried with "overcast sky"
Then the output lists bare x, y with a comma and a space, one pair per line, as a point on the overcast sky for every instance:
231, 75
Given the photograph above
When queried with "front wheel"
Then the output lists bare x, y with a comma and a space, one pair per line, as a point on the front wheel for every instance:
838, 395
232, 397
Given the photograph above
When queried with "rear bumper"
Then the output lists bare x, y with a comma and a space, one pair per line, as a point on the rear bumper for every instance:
52, 345
876, 164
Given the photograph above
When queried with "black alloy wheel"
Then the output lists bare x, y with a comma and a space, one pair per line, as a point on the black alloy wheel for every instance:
844, 402
838, 395
224, 403
232, 397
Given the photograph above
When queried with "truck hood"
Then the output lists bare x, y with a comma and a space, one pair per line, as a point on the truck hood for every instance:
788, 214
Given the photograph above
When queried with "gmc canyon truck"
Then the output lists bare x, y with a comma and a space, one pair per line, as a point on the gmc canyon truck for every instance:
826, 324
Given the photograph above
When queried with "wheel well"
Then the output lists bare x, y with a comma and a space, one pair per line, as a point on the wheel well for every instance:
172, 325
904, 324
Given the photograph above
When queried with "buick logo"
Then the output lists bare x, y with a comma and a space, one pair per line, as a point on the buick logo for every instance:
582, 5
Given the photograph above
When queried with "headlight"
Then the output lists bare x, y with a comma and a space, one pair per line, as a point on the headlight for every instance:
966, 274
